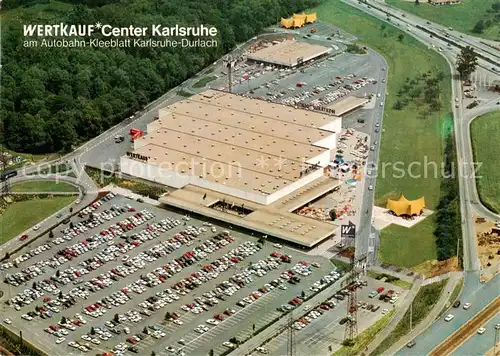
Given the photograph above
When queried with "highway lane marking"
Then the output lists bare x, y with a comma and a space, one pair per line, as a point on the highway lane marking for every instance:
467, 330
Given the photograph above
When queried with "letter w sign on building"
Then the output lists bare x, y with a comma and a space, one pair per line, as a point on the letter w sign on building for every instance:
348, 231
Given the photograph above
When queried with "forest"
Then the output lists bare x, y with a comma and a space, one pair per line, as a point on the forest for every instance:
55, 98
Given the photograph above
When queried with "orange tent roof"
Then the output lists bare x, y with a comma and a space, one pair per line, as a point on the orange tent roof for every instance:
403, 206
310, 18
287, 23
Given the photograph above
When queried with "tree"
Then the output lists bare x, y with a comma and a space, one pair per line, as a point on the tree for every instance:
466, 62
168, 316
479, 27
145, 330
71, 209
7, 255
401, 37
211, 352
417, 2
153, 353
71, 225
92, 331
303, 294
51, 234
398, 105
333, 215
64, 320
60, 296
116, 318
383, 26
253, 327
58, 273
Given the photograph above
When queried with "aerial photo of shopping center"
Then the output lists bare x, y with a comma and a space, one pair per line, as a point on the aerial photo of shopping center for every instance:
250, 177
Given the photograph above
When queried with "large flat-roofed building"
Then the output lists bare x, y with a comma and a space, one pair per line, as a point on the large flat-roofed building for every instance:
288, 53
237, 146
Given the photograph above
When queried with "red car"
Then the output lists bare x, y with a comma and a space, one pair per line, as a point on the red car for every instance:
24, 237
218, 317
131, 340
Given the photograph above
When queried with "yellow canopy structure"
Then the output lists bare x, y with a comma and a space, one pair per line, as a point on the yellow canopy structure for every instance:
286, 23
403, 206
310, 18
298, 20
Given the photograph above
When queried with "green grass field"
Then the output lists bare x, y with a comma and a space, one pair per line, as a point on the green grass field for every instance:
44, 186
367, 336
484, 131
204, 81
20, 216
423, 303
461, 17
406, 138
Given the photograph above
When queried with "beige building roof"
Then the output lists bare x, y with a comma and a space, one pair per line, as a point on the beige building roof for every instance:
252, 115
288, 52
345, 105
262, 108
276, 219
177, 131
234, 169
247, 144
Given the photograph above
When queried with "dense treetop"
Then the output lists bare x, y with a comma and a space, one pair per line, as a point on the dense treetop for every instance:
52, 98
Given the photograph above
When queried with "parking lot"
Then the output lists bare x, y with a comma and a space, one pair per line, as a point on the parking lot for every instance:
323, 326
107, 280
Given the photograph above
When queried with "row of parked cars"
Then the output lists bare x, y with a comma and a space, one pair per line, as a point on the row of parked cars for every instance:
161, 299
72, 274
150, 279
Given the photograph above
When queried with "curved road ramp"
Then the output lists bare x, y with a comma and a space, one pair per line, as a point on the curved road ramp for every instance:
467, 330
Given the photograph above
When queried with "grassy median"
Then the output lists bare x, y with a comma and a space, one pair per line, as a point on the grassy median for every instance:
423, 303
407, 137
484, 132
44, 186
462, 17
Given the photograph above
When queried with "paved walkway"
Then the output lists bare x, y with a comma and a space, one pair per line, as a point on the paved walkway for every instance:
396, 319
128, 193
431, 318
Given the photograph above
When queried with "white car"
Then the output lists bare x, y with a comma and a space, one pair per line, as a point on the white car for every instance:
449, 317
61, 339
7, 321
36, 227
467, 306
481, 331
370, 187
178, 322
228, 344
277, 245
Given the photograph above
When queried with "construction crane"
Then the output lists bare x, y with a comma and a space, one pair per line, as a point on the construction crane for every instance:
351, 326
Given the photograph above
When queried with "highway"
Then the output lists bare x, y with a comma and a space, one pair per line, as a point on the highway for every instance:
380, 10
467, 330
478, 294
469, 201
